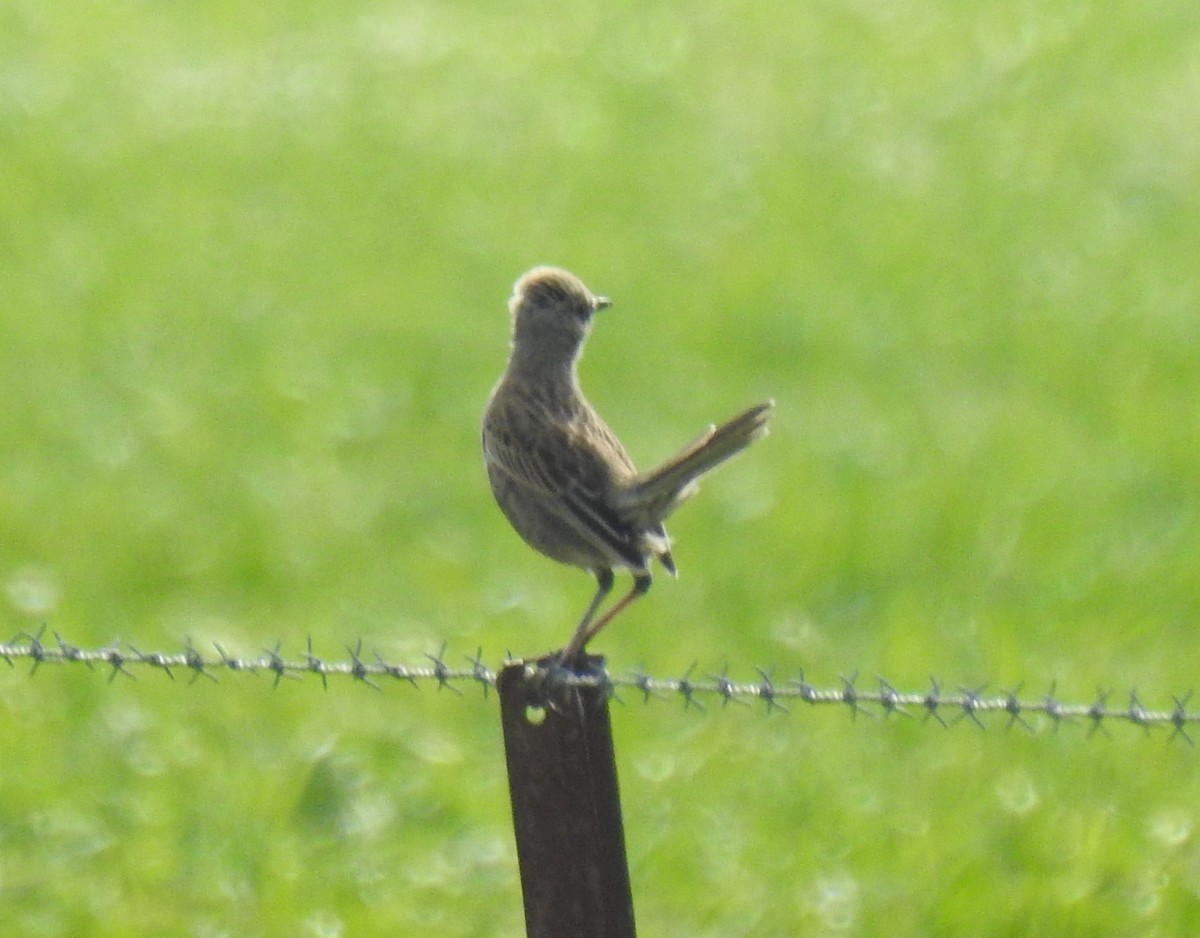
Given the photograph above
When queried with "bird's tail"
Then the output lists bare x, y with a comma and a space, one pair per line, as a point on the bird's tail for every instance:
655, 494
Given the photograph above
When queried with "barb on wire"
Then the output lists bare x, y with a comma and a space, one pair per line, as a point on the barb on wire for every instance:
441, 670
684, 687
970, 704
1014, 708
766, 691
195, 662
726, 688
479, 671
315, 665
973, 704
889, 699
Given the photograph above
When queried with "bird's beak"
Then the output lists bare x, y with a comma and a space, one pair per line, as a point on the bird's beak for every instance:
600, 302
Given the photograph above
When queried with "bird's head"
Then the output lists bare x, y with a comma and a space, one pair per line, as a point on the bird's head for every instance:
552, 311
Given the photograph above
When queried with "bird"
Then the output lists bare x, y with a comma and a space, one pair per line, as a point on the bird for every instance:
561, 476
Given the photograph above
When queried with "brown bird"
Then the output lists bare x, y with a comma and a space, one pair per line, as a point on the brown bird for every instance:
558, 472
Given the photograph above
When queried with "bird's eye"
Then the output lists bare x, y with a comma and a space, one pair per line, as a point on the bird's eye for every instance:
550, 295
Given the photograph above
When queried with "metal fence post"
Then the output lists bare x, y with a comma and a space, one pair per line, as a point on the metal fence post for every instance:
562, 780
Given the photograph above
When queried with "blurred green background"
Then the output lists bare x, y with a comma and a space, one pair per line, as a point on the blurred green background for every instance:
252, 300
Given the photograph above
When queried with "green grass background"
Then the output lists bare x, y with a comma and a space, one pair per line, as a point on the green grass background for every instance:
254, 267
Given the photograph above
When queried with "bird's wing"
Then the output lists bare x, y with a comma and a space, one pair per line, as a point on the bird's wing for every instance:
571, 466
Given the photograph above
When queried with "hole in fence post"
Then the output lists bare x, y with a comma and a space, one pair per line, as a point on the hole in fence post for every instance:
562, 780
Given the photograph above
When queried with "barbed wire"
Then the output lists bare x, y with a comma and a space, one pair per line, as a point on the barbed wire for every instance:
876, 698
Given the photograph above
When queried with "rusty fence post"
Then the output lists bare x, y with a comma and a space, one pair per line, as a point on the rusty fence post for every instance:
562, 780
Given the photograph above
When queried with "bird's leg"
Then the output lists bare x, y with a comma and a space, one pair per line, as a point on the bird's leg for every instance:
641, 584
604, 585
